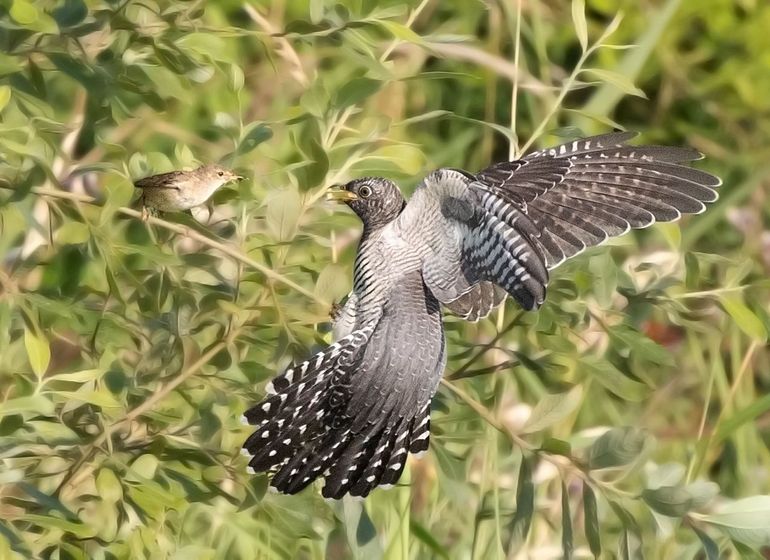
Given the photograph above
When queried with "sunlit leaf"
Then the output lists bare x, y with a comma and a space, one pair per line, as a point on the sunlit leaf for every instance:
38, 352
746, 520
579, 21
617, 80
552, 409
746, 320
5, 96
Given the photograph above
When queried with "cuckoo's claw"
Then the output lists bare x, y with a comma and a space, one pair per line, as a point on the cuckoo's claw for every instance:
334, 311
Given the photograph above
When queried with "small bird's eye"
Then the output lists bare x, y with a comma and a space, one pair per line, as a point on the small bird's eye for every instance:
365, 192
221, 173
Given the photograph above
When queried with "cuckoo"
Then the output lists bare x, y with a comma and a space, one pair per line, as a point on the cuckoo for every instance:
354, 411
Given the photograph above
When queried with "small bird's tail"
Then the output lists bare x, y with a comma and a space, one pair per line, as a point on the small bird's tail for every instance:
306, 428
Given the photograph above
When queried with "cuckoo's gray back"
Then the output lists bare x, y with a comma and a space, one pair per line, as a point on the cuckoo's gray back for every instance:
353, 412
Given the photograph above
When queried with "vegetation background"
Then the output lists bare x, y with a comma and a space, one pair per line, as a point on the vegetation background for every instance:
629, 416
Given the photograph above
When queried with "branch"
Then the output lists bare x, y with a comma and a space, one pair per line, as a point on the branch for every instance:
228, 250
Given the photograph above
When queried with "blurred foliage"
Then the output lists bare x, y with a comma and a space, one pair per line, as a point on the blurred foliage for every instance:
629, 416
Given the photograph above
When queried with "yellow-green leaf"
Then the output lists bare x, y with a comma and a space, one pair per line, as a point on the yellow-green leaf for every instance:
579, 20
24, 12
744, 317
108, 486
38, 352
5, 96
73, 233
623, 83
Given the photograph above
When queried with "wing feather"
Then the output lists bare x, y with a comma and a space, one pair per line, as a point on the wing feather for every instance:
509, 224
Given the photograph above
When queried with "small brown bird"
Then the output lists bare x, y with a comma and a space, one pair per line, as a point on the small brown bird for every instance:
182, 190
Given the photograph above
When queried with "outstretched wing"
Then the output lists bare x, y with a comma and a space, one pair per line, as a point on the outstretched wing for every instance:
512, 222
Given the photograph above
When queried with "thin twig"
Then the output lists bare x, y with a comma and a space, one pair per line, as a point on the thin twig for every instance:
187, 232
284, 48
484, 349
77, 475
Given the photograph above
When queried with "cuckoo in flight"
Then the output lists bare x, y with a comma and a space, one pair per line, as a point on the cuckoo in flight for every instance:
354, 411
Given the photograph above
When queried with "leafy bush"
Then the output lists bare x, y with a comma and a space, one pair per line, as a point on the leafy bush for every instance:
628, 415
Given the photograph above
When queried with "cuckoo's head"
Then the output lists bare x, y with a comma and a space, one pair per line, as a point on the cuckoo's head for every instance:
375, 200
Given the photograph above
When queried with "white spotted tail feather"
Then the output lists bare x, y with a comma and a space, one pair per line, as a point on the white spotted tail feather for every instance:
297, 403
305, 429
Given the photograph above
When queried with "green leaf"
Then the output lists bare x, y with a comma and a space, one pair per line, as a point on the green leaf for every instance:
525, 503
24, 12
744, 415
408, 158
746, 320
38, 352
591, 515
422, 534
283, 211
556, 446
710, 547
623, 83
612, 379
76, 528
236, 78
108, 486
333, 283
579, 21
551, 409
746, 520
253, 135
5, 96
616, 448
702, 492
605, 278
36, 405
567, 541
73, 233
355, 91
71, 13
400, 31
672, 501
144, 466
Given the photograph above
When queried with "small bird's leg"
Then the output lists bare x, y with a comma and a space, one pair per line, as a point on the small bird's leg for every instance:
145, 210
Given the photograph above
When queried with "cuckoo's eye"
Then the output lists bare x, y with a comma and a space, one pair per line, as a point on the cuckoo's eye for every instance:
365, 192
221, 173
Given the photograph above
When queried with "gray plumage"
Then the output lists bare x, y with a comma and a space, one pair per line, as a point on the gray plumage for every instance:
353, 412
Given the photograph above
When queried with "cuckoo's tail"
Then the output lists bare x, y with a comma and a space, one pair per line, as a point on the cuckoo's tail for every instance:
318, 420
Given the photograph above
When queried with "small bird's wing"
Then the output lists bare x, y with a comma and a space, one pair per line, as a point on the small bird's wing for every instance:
162, 181
512, 222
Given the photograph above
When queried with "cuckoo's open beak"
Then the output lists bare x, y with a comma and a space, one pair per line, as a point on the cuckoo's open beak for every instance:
338, 194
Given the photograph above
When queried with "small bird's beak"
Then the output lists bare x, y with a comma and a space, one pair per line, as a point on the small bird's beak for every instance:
238, 178
339, 194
